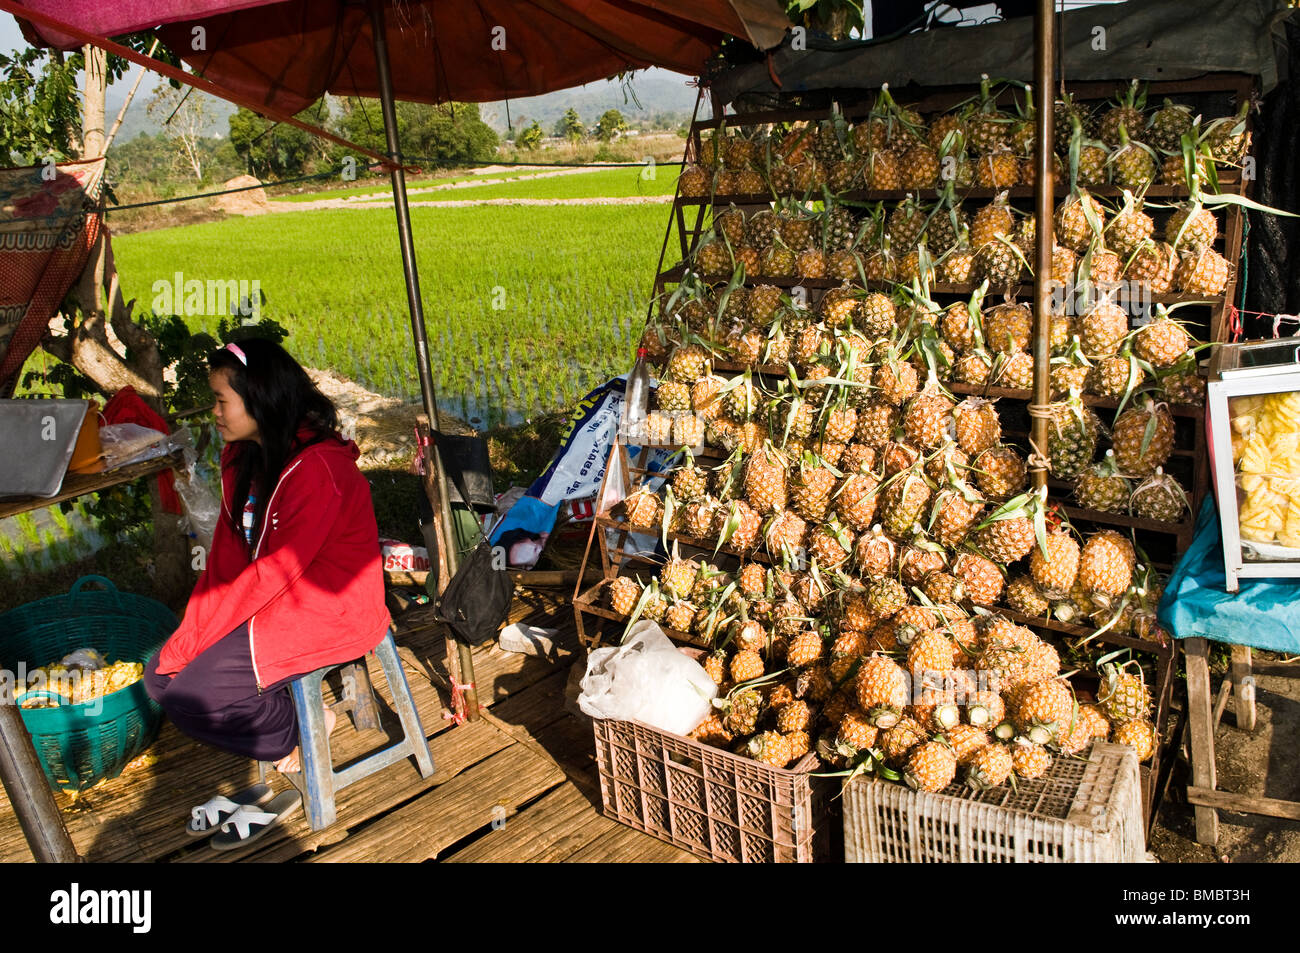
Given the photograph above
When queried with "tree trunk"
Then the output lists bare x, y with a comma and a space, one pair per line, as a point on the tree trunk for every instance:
95, 89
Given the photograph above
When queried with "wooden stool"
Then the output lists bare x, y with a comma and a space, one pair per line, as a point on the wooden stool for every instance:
1204, 717
318, 782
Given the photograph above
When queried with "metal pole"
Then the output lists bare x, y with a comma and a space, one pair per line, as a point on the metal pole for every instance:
1044, 191
29, 792
416, 306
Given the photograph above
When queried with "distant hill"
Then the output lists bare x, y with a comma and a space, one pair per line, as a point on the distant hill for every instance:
659, 92
138, 120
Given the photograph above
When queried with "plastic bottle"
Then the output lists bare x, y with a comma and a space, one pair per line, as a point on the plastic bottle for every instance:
636, 401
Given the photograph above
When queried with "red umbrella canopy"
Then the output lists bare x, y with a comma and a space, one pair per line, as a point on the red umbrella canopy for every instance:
286, 55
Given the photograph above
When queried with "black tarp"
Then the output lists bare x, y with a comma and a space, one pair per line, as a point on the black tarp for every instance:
1142, 39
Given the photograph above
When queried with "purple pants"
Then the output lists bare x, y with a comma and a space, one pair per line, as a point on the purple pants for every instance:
215, 700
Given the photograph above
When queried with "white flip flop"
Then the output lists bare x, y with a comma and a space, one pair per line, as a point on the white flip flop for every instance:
250, 822
207, 817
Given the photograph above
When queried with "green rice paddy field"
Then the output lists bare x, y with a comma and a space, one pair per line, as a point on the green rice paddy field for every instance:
527, 307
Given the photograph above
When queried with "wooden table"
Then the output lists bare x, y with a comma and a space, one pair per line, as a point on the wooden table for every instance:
80, 484
1204, 717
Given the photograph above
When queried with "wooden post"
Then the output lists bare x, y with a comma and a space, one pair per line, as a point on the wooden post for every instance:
460, 663
1243, 688
1201, 721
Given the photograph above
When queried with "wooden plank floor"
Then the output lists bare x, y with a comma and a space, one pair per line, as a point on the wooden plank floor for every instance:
519, 784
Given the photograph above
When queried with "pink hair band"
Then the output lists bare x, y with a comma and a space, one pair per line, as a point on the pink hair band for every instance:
236, 350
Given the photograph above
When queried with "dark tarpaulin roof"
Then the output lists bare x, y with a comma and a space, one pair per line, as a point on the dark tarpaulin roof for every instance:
287, 54
1148, 40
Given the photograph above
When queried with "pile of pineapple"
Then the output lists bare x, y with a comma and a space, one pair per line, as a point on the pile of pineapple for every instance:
888, 544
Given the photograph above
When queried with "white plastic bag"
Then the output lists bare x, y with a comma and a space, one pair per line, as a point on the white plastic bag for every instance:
647, 679
201, 506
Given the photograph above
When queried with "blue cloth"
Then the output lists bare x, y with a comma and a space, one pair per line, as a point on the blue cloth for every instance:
1264, 613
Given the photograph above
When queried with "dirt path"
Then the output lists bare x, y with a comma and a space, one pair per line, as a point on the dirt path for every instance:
382, 198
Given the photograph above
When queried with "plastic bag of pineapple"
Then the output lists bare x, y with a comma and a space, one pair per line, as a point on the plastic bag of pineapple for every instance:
1266, 451
77, 685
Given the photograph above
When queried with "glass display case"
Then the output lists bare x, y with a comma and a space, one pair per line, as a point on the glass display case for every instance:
1254, 438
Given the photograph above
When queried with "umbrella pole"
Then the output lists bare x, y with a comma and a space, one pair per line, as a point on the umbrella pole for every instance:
1044, 189
442, 512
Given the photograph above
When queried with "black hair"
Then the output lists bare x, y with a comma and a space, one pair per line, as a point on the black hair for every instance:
282, 399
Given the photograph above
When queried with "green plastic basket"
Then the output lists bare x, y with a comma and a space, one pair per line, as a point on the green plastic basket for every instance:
80, 745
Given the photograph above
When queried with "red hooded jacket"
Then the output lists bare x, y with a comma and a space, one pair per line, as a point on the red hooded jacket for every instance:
314, 594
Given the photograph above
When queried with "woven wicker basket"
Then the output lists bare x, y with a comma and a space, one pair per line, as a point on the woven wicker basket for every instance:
1082, 811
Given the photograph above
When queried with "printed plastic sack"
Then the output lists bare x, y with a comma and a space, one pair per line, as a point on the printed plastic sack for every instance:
647, 679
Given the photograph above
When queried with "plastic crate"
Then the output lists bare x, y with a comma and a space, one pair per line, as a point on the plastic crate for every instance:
1082, 811
80, 745
718, 805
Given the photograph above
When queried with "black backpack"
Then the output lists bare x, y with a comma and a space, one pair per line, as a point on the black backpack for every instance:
478, 597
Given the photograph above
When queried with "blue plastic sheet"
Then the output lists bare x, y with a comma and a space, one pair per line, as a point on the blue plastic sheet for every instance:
1264, 613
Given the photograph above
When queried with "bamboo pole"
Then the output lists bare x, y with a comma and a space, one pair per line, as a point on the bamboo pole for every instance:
1044, 188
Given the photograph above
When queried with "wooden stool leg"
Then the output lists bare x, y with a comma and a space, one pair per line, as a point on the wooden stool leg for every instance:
1201, 722
1243, 688
358, 690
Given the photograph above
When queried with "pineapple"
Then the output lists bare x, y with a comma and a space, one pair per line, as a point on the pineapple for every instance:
1139, 734
645, 509
805, 649
1078, 220
977, 425
856, 733
1102, 488
1029, 760
810, 489
1102, 328
1125, 112
1043, 709
992, 222
1106, 567
623, 595
715, 664
1143, 438
981, 578
901, 739
1154, 263
855, 500
883, 690
1168, 124
1123, 695
765, 481
687, 363
989, 767
1008, 535
875, 553
1159, 497
712, 731
903, 501
1024, 596
1055, 569
680, 616
966, 741
931, 767
895, 381
1202, 271
743, 707
746, 666
998, 263
1071, 438
829, 544
1190, 226
955, 512
771, 748
1162, 343
1115, 376
927, 417
1133, 164
1000, 473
